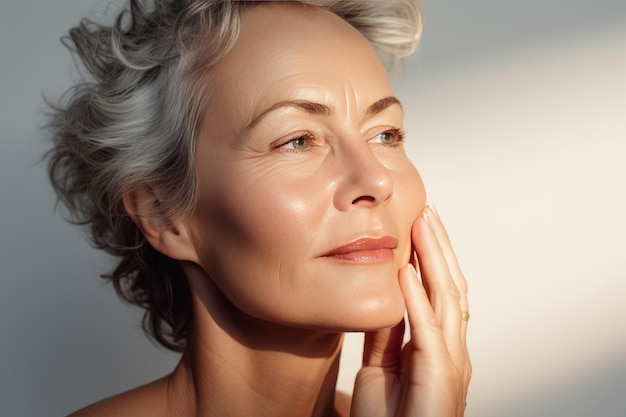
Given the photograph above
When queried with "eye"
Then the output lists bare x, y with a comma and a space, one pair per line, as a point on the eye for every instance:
298, 144
391, 137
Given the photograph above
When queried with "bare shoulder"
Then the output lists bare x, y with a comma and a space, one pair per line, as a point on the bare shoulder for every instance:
147, 400
343, 402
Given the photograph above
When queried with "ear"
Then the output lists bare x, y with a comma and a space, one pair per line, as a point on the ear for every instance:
170, 237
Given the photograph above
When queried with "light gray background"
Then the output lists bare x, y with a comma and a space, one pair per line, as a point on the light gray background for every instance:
515, 114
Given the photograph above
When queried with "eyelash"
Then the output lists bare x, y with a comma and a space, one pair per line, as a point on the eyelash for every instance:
398, 135
307, 136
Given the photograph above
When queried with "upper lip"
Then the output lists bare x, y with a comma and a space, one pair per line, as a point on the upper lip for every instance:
365, 243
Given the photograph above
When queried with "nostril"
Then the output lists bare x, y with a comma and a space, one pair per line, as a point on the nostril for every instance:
366, 198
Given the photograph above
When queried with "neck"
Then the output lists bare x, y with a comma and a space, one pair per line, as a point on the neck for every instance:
238, 365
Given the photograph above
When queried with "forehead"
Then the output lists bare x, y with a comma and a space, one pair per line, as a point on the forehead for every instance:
287, 50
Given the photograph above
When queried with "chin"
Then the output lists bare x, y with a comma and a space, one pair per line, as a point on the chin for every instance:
374, 313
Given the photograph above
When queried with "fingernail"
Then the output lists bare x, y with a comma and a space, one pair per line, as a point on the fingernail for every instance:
413, 272
426, 216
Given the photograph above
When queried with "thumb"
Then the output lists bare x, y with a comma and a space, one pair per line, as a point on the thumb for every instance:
383, 348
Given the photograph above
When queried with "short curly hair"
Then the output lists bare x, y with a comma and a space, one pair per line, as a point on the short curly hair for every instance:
132, 121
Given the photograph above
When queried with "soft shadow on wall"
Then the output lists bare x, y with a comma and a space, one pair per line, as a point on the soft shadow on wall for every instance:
523, 155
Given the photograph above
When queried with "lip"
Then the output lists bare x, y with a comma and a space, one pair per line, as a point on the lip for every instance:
365, 250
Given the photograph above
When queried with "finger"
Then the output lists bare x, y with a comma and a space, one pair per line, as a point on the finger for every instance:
383, 348
428, 342
426, 335
459, 280
453, 264
443, 295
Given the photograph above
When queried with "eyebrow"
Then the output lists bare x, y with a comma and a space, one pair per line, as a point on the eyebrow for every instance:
381, 105
318, 109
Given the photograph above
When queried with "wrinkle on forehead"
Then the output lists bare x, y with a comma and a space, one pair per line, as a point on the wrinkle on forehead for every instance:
287, 53
351, 94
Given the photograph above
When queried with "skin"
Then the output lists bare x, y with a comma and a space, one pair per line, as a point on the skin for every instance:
281, 185
280, 208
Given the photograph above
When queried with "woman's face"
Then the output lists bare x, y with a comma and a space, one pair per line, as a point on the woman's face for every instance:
306, 196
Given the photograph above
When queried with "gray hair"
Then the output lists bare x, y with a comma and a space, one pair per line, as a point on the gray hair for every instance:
131, 125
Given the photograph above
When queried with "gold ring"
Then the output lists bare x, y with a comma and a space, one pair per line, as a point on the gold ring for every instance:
465, 315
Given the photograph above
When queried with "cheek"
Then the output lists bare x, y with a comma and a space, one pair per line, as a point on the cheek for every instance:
268, 223
410, 189
254, 242
412, 200
279, 215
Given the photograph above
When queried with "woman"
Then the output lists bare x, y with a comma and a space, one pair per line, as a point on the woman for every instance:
245, 163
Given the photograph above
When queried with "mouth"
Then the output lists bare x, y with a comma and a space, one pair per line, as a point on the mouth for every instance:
365, 250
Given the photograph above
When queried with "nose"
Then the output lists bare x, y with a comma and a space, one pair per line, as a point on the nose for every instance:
363, 181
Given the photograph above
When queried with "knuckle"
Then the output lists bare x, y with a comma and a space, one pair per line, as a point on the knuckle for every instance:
453, 292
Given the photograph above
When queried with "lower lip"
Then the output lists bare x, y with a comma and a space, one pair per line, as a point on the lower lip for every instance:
365, 256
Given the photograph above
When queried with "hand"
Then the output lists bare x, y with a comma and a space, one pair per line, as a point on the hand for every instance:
429, 376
